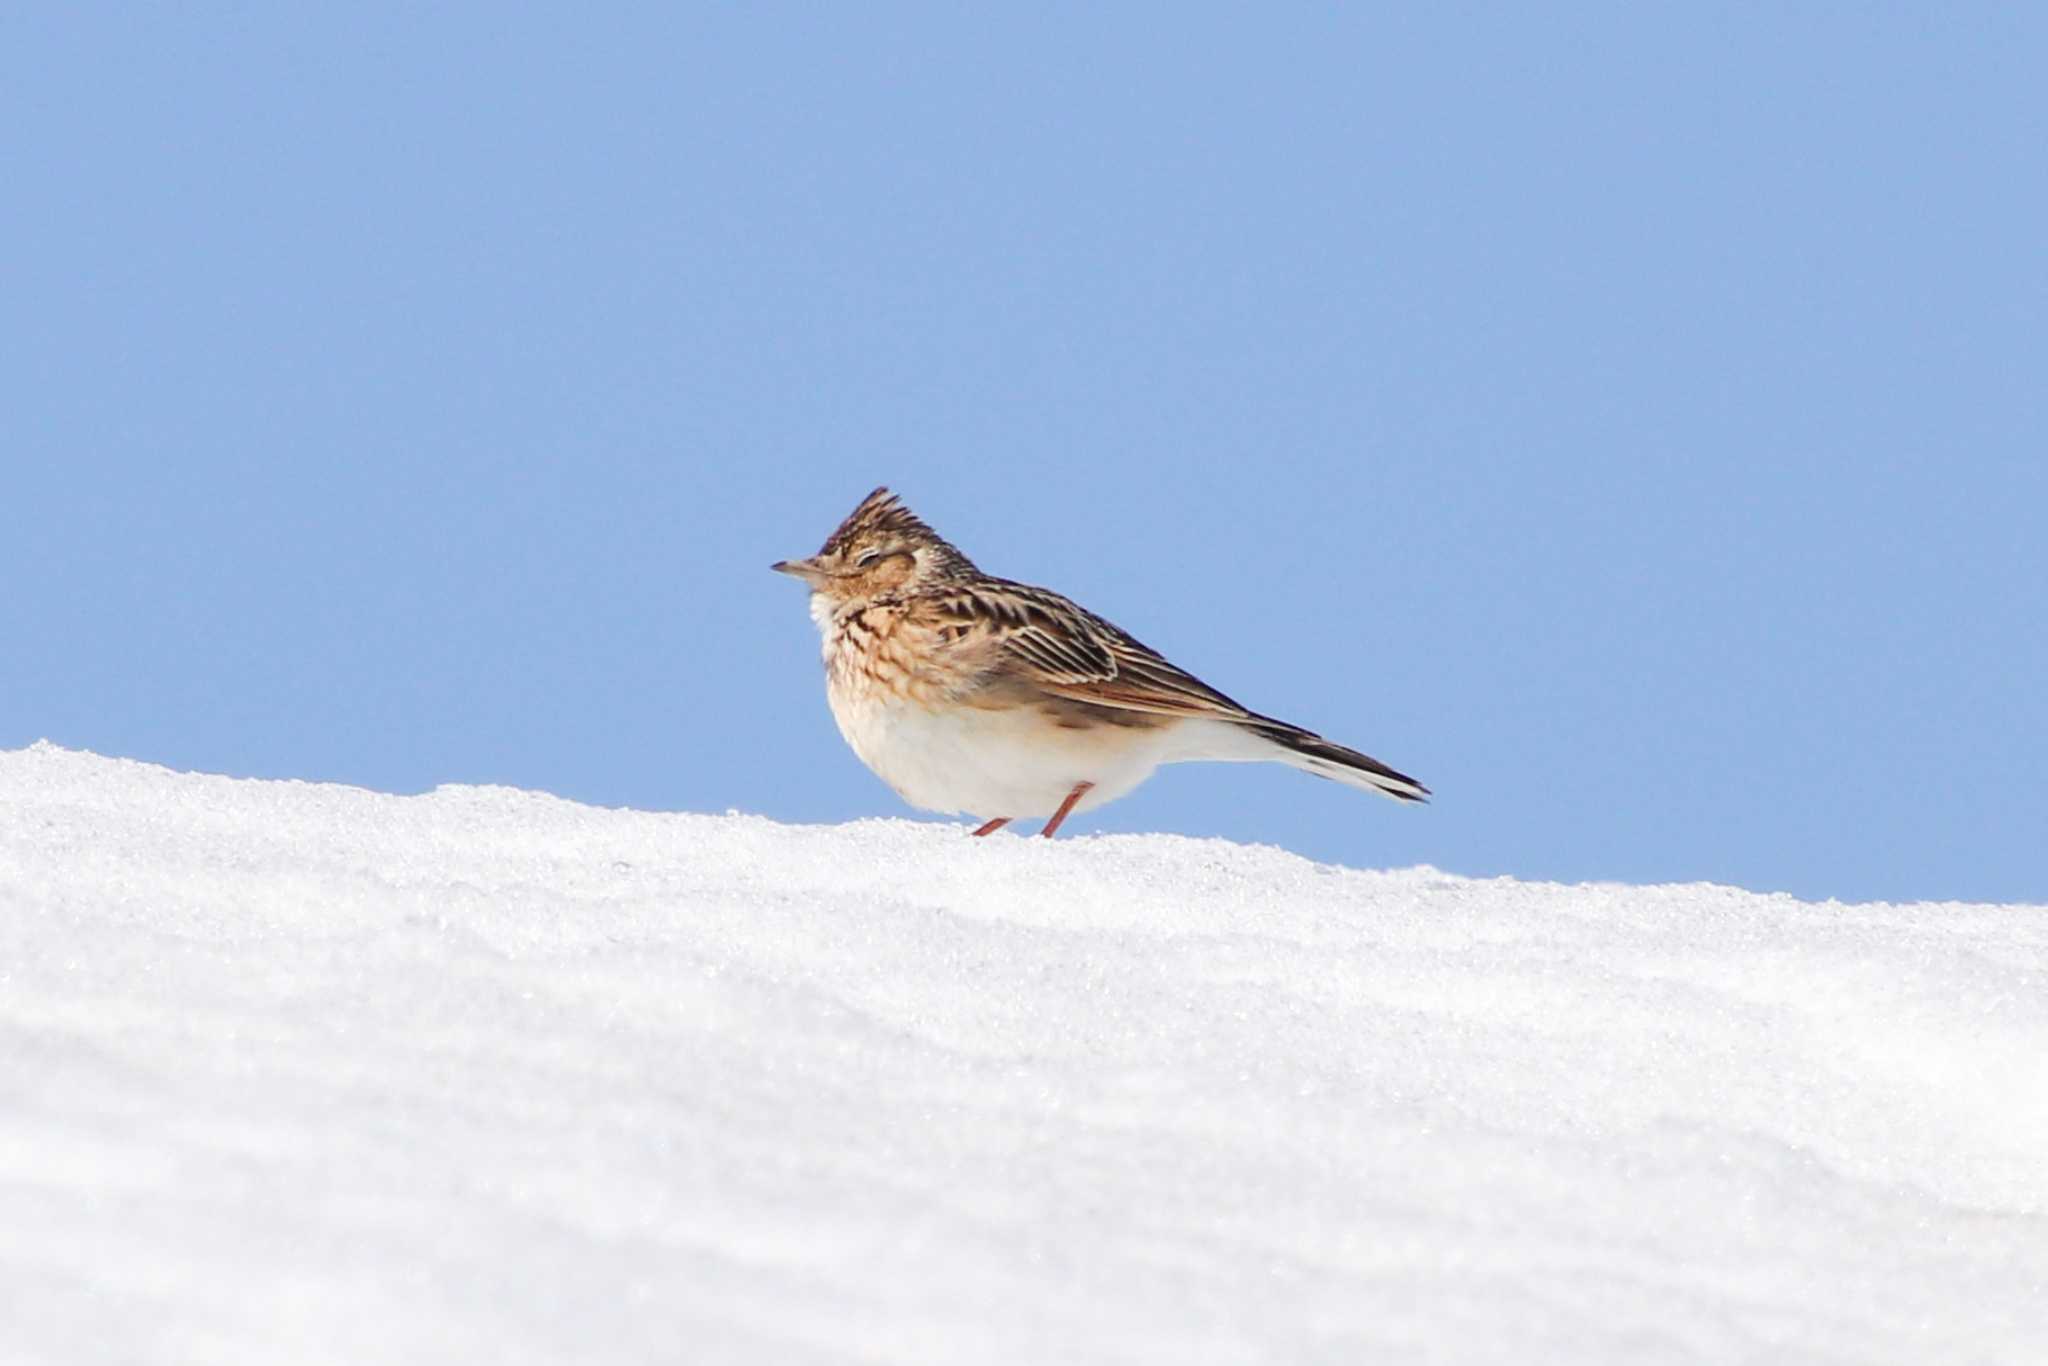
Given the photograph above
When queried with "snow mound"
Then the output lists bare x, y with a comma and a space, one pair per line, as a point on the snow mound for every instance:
308, 1073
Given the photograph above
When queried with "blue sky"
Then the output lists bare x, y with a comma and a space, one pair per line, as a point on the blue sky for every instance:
1628, 422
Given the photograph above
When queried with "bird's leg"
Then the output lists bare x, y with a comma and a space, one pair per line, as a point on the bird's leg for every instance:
993, 826
1068, 805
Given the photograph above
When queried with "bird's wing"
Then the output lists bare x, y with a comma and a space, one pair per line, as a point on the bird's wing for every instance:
1047, 641
1032, 638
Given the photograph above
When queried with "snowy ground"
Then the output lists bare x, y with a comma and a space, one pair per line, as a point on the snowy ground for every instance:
305, 1073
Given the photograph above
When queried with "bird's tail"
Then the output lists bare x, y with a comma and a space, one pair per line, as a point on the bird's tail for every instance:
1311, 753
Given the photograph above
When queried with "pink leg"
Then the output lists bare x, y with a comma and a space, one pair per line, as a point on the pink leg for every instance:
993, 826
1080, 790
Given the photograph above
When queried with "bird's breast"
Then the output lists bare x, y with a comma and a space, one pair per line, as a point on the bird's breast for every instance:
987, 760
927, 720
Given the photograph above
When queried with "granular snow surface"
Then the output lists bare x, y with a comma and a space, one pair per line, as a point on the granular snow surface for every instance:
304, 1073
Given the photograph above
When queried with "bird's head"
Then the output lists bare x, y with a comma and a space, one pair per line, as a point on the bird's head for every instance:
881, 549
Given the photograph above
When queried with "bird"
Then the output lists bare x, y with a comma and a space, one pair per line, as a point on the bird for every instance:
970, 694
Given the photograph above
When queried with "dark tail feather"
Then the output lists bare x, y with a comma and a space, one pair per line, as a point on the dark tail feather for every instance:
1326, 759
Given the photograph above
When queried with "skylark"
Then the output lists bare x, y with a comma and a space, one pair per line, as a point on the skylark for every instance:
969, 693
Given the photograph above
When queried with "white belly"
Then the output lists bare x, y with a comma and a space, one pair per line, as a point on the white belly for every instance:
1014, 763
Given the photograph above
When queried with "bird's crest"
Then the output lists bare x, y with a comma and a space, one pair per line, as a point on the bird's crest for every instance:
882, 513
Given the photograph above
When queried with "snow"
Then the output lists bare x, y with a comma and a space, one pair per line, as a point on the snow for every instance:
294, 1072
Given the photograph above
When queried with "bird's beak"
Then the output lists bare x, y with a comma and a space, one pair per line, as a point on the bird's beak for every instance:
807, 570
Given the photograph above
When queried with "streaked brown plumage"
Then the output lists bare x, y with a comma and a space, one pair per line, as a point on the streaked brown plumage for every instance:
967, 692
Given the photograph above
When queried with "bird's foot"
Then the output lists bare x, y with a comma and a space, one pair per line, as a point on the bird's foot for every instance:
1080, 789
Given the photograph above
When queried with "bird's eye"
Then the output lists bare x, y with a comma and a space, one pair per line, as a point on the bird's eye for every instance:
867, 558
